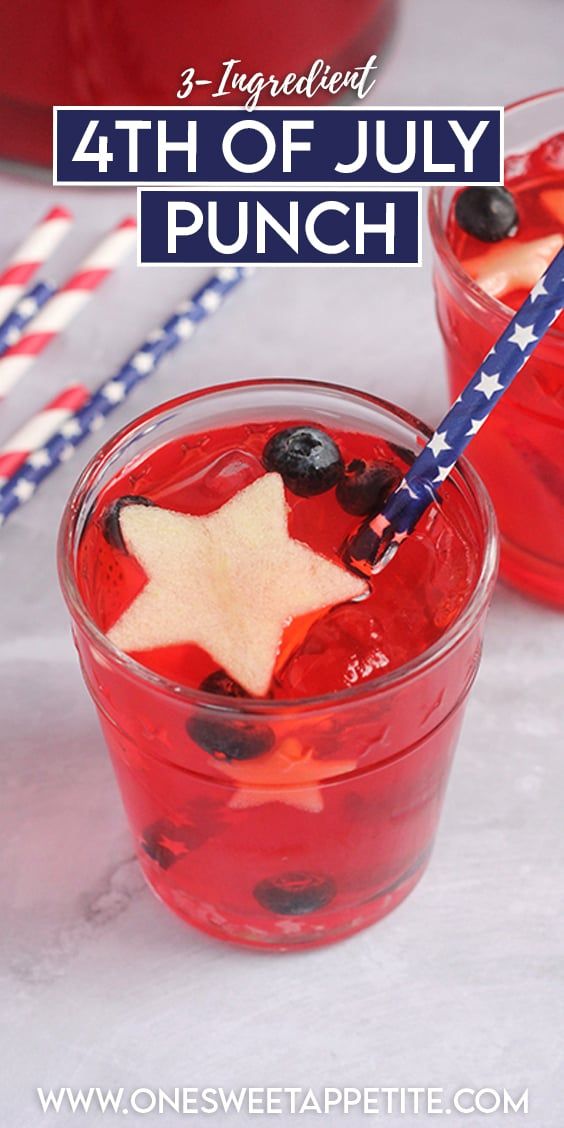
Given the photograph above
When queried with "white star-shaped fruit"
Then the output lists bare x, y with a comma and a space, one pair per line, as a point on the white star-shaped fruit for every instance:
513, 266
488, 385
475, 425
229, 582
96, 423
438, 443
66, 453
523, 336
114, 391
289, 774
443, 472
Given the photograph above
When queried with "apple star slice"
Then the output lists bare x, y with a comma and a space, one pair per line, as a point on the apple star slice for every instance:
289, 774
229, 582
513, 266
553, 200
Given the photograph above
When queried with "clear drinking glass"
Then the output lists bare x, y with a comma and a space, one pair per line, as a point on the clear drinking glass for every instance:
520, 452
298, 864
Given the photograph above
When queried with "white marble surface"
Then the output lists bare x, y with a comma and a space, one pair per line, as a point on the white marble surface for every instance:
101, 986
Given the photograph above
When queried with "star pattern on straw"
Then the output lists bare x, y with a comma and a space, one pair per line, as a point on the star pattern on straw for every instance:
185, 328
438, 443
488, 385
91, 416
475, 425
538, 291
463, 421
523, 336
71, 429
39, 458
143, 362
114, 391
27, 307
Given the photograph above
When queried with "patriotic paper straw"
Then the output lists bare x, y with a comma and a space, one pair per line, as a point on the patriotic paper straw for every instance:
66, 304
23, 312
22, 485
30, 255
39, 429
373, 546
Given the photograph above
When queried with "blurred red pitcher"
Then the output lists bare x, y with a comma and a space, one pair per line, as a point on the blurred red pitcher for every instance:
129, 52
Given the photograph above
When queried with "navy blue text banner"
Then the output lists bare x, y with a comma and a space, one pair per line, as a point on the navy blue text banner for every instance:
284, 227
95, 145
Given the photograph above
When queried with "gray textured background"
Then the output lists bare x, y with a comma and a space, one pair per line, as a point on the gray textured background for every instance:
463, 984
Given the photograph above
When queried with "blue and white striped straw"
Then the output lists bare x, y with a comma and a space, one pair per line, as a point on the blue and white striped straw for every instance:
373, 546
112, 392
23, 312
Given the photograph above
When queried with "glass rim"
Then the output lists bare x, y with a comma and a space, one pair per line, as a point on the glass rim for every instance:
463, 474
438, 234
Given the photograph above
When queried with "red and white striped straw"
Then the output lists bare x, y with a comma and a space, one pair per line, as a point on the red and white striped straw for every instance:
66, 304
40, 428
36, 248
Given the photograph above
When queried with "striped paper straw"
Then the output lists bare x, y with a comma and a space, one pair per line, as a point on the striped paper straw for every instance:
39, 429
30, 255
66, 304
23, 312
373, 546
22, 485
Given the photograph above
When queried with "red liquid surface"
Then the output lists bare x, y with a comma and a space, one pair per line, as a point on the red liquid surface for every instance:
339, 813
519, 452
410, 605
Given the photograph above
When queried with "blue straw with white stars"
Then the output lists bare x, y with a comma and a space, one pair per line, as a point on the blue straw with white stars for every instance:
377, 540
90, 417
24, 310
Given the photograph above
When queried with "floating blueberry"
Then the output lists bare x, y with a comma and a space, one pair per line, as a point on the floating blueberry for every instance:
489, 214
110, 520
295, 894
166, 842
365, 486
230, 740
306, 457
220, 682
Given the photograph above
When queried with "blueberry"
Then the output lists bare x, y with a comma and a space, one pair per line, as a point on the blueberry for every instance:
365, 486
307, 458
230, 740
110, 520
295, 894
166, 842
220, 682
489, 214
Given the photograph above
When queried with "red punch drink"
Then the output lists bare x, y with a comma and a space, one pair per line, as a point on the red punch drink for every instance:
281, 731
491, 250
127, 54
